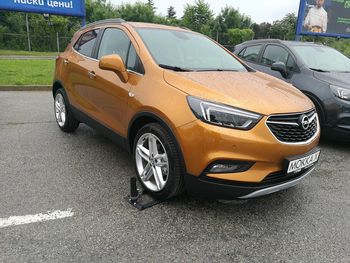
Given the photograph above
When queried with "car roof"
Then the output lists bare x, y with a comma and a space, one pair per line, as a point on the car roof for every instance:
278, 41
119, 21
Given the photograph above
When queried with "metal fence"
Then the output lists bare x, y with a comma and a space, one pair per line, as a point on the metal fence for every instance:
54, 43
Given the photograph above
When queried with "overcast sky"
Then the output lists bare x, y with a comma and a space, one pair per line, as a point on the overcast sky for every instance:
258, 10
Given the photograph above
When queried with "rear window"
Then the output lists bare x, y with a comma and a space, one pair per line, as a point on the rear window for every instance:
86, 43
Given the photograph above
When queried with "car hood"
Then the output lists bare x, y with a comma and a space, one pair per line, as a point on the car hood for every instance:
253, 91
334, 78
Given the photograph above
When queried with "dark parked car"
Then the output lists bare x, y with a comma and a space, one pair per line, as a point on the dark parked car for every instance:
319, 71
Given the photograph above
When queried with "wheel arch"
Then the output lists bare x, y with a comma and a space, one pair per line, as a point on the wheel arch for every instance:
56, 86
143, 118
318, 105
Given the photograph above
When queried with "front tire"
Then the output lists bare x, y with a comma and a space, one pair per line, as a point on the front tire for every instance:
158, 162
63, 114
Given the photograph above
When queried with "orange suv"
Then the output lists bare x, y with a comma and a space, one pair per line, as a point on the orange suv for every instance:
193, 116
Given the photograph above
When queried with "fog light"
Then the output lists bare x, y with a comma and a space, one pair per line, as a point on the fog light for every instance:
229, 167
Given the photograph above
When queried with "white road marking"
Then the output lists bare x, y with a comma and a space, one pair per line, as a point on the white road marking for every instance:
27, 219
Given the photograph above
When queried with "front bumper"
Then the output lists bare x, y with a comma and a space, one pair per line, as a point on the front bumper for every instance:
203, 144
209, 188
337, 125
341, 134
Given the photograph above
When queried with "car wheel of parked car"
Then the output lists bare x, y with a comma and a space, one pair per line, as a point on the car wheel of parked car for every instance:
158, 162
63, 113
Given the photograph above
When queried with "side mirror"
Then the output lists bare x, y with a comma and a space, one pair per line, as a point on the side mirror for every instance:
114, 63
281, 68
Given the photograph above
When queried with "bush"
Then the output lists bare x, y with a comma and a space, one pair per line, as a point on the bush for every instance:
236, 36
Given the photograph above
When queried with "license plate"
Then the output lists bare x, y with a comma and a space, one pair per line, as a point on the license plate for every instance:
296, 165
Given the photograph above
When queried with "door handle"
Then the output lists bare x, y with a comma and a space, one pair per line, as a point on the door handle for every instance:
66, 61
91, 74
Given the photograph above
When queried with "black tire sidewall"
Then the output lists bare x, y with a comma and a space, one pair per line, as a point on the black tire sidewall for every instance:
174, 174
71, 124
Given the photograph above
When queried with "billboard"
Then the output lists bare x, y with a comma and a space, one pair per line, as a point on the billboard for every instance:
324, 18
55, 7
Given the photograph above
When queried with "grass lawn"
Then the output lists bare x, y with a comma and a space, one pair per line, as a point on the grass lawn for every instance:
25, 53
26, 72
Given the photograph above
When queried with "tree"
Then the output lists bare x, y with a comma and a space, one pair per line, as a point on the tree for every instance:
231, 26
171, 12
99, 10
230, 18
246, 21
285, 28
262, 30
198, 17
151, 4
138, 12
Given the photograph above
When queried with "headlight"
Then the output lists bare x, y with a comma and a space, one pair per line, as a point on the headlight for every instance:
341, 93
223, 115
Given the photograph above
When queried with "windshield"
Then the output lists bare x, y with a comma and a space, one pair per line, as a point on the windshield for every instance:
323, 58
187, 51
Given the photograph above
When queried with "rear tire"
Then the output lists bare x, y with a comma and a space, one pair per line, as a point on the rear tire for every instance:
158, 162
63, 114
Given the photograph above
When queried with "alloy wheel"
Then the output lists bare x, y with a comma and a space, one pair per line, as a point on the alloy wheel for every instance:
152, 162
60, 110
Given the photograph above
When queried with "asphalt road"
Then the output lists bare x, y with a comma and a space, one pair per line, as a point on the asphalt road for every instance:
43, 169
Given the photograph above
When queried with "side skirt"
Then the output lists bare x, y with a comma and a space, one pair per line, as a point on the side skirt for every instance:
107, 132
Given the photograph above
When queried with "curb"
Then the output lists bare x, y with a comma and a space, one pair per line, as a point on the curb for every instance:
10, 57
25, 87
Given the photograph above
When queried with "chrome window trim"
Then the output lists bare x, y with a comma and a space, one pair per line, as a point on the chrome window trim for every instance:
76, 51
137, 73
97, 60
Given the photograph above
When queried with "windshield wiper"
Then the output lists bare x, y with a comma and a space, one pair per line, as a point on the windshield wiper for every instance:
217, 69
318, 70
175, 68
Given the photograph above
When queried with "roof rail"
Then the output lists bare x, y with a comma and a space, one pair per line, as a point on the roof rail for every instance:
105, 21
271, 40
183, 27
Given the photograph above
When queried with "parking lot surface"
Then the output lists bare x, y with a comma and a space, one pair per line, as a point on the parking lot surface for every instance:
43, 169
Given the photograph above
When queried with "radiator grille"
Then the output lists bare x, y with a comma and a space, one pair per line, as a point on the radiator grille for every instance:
294, 128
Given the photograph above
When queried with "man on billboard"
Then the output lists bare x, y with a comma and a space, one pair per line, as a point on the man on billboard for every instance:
317, 19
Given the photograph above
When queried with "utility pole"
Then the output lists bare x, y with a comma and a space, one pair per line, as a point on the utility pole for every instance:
58, 42
297, 37
27, 23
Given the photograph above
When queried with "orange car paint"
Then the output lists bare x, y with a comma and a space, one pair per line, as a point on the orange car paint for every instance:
114, 103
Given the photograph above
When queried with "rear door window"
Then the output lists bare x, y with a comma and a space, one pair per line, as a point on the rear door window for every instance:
250, 53
86, 43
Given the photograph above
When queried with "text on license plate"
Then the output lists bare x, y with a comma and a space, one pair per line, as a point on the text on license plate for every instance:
299, 164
